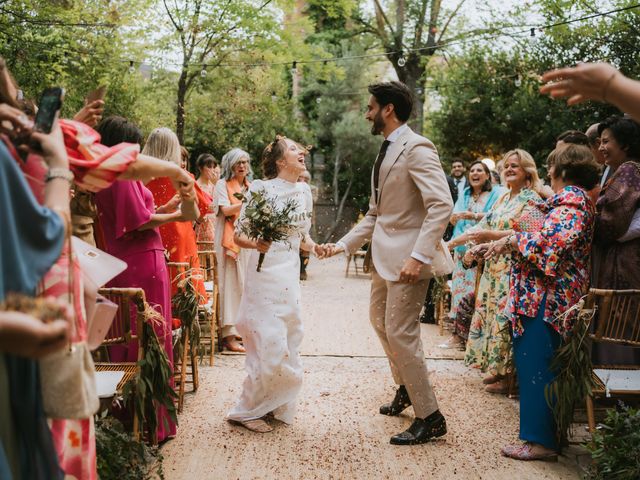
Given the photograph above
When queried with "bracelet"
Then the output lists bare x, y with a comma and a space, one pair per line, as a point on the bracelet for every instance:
606, 85
58, 172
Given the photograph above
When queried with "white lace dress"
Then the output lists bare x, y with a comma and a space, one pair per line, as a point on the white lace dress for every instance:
269, 316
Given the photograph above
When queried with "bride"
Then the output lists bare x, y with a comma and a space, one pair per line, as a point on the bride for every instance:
269, 315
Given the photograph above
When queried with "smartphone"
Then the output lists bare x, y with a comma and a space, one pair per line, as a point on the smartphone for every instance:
97, 94
50, 104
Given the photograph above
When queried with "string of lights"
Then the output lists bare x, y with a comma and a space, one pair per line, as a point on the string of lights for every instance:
489, 34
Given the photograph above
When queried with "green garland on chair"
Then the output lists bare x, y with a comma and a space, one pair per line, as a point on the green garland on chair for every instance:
184, 305
574, 381
151, 387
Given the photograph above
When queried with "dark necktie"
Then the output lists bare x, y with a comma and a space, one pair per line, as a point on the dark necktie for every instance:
376, 167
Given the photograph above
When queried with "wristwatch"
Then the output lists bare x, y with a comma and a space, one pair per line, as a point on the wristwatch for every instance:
59, 172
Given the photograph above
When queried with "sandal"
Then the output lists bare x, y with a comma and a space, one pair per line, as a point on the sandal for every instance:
258, 425
527, 451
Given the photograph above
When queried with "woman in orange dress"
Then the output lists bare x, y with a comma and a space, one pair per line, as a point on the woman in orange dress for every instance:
208, 174
178, 238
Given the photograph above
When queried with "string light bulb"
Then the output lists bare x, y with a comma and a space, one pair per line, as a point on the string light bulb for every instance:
518, 81
132, 67
402, 61
203, 72
294, 68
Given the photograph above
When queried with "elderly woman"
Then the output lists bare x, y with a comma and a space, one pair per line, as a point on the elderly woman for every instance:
477, 198
550, 273
617, 231
232, 260
489, 343
208, 175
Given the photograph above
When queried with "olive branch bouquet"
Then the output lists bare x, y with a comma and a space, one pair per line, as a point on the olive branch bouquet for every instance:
265, 219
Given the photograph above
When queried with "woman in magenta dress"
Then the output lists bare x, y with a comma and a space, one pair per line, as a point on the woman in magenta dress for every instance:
129, 222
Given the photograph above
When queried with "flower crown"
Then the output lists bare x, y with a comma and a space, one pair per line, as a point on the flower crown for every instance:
278, 138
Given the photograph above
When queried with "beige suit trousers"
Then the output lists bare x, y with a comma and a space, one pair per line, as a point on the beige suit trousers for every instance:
394, 311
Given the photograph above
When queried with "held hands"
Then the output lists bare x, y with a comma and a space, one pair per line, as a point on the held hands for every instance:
327, 250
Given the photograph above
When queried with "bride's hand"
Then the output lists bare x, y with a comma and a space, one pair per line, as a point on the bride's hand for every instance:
319, 251
262, 245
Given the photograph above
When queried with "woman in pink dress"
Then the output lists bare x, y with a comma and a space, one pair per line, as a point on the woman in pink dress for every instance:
129, 224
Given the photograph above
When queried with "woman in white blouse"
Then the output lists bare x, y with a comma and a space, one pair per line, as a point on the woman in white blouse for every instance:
232, 260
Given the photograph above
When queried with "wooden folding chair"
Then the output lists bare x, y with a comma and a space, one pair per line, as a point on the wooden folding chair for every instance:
187, 365
360, 255
617, 317
210, 313
121, 333
443, 306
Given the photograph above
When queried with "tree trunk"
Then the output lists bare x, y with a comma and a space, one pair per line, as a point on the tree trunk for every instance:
334, 183
336, 222
182, 94
413, 76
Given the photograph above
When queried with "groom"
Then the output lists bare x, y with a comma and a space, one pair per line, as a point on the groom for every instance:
408, 212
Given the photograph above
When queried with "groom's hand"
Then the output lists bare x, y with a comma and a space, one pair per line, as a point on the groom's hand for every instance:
410, 272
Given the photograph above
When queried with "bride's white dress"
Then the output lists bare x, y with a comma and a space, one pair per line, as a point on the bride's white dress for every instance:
269, 316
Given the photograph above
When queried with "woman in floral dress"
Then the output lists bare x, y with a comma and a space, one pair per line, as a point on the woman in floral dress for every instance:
550, 274
475, 201
489, 342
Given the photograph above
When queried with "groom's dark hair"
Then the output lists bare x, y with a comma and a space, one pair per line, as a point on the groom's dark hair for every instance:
396, 93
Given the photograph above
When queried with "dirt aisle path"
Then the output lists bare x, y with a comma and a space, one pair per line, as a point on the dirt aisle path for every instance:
338, 433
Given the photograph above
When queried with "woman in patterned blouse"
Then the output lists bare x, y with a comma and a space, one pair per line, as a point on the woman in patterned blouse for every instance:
549, 275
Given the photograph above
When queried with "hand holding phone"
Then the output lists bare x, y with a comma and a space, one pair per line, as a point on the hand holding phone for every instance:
97, 94
48, 108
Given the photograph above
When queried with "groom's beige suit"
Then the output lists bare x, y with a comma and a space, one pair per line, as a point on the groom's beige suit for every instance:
406, 218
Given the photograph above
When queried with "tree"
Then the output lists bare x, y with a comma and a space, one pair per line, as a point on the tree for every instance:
210, 32
489, 97
410, 32
78, 46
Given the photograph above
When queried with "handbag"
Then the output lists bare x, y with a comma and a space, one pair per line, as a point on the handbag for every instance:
531, 219
67, 377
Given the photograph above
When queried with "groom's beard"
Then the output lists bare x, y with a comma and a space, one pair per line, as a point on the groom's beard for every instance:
378, 124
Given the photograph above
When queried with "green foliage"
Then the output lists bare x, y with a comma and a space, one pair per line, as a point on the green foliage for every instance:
490, 104
121, 457
484, 113
573, 383
616, 446
151, 387
46, 43
184, 305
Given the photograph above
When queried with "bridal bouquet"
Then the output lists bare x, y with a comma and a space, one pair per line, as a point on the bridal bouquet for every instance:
265, 219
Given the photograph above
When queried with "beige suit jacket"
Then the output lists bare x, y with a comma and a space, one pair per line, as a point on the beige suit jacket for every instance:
413, 208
